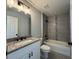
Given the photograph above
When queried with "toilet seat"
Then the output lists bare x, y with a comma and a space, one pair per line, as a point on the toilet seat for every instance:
45, 48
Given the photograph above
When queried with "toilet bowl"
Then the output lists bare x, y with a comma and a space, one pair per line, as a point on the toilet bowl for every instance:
45, 49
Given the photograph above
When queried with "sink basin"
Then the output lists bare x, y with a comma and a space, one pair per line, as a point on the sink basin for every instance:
17, 44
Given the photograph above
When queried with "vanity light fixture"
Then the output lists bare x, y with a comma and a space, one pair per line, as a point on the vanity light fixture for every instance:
23, 7
19, 5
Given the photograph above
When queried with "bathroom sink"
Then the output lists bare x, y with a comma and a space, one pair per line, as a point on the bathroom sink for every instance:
11, 46
14, 45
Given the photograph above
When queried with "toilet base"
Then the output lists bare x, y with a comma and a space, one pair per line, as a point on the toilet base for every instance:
44, 55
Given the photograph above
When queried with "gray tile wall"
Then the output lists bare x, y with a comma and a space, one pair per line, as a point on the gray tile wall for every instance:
62, 26
51, 28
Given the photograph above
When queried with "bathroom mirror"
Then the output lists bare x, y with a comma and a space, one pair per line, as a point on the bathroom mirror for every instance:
18, 24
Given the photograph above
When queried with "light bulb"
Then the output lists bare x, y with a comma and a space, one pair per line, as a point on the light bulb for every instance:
12, 2
21, 7
25, 12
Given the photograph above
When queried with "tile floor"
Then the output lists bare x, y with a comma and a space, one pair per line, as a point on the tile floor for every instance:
54, 55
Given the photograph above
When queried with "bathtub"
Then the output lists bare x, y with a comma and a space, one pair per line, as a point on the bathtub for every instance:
59, 47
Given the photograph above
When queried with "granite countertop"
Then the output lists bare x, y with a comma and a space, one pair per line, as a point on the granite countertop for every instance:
15, 45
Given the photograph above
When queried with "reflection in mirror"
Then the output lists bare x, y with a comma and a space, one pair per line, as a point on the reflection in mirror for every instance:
18, 24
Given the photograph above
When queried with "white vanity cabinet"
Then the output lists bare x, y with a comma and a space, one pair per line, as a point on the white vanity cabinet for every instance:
31, 51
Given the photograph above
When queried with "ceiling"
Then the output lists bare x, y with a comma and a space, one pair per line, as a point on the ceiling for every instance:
51, 7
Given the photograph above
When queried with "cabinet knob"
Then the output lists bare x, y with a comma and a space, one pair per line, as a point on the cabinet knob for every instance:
31, 53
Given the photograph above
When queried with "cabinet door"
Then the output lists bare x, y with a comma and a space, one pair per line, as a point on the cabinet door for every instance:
35, 50
22, 53
24, 56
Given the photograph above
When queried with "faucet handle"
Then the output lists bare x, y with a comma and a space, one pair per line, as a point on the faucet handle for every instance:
69, 43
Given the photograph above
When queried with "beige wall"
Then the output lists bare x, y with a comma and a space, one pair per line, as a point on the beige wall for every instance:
35, 22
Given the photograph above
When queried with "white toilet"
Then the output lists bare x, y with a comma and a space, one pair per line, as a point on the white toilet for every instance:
45, 49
